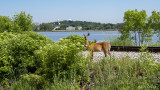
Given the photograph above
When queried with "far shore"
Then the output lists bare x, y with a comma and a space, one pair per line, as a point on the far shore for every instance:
77, 30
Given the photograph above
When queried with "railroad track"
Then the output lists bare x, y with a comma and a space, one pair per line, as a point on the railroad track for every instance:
133, 48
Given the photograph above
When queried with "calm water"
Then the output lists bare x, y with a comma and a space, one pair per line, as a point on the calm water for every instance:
98, 35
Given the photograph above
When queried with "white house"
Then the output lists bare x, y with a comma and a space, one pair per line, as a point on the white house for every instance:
70, 28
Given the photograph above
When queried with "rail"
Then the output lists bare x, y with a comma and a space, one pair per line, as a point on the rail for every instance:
134, 48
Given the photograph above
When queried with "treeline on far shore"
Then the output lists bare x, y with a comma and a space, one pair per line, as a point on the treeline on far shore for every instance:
70, 25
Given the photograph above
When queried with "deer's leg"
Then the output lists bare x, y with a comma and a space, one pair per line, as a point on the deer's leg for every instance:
91, 54
109, 52
105, 53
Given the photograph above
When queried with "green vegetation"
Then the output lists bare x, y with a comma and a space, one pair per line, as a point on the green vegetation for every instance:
137, 22
84, 24
19, 23
155, 22
119, 42
29, 61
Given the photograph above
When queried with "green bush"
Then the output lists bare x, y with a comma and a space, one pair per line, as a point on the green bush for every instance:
5, 24
61, 60
34, 80
17, 53
73, 39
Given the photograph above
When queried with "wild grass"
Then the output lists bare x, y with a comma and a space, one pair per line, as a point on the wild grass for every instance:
115, 74
118, 42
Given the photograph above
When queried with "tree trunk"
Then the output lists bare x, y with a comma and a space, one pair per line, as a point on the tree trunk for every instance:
139, 35
135, 39
142, 40
159, 34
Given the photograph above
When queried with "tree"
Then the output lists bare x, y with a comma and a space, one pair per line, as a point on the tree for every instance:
22, 22
154, 19
137, 22
46, 26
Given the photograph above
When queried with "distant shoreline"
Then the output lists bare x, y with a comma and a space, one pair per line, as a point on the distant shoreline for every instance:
76, 30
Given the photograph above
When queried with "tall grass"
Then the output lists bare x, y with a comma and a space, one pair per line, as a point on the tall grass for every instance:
111, 74
118, 42
123, 74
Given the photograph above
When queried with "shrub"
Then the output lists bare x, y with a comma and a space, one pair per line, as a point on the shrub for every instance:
17, 53
61, 60
73, 39
5, 24
33, 80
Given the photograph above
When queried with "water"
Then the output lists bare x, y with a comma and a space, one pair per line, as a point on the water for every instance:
100, 36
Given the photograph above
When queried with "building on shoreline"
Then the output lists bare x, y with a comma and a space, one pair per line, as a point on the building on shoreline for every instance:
79, 27
70, 28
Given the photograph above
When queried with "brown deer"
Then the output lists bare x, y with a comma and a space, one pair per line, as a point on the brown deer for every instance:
97, 47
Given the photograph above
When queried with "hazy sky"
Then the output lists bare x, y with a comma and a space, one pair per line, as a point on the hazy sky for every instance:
104, 11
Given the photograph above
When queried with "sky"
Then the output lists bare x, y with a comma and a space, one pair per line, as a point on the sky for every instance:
103, 11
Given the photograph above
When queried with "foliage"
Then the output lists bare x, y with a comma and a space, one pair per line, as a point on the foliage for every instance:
5, 24
137, 22
154, 19
61, 60
157, 44
119, 42
22, 85
46, 27
31, 61
22, 22
84, 24
17, 53
126, 73
122, 73
73, 39
19, 23
61, 66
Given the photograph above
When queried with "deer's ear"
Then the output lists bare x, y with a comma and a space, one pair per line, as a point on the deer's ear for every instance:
88, 34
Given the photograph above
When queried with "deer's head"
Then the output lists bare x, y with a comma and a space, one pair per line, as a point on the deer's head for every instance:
86, 36
86, 39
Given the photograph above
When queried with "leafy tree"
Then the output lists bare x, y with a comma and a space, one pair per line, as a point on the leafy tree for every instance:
137, 22
22, 22
34, 27
154, 19
46, 26
19, 22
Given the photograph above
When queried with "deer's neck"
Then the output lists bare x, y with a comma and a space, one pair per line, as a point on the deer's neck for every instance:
87, 42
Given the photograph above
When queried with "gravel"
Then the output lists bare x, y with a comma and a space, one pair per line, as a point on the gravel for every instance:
134, 55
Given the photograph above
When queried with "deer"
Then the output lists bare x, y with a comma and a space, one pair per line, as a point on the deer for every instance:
97, 47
